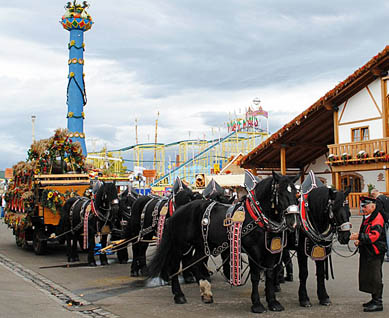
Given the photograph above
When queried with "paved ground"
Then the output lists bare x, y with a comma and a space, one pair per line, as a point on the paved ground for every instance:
30, 283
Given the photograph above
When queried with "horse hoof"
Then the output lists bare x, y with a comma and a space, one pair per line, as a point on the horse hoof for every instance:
207, 300
134, 274
92, 264
305, 303
144, 271
277, 288
189, 280
180, 299
104, 263
123, 261
76, 259
276, 306
325, 302
289, 278
258, 309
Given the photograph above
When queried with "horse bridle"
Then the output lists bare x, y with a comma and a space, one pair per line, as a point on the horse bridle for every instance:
315, 236
107, 217
270, 225
346, 226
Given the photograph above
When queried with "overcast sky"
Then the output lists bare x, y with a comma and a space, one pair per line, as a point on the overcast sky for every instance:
193, 61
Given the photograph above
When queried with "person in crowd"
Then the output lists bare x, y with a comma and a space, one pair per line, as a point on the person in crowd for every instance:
382, 202
3, 205
372, 247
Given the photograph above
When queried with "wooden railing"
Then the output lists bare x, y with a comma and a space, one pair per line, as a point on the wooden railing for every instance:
354, 197
353, 148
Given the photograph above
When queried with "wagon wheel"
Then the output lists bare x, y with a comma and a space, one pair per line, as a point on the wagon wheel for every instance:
20, 239
39, 242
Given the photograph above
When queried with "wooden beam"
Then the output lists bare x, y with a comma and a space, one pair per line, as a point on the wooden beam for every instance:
387, 180
328, 105
384, 100
360, 167
283, 160
336, 127
359, 121
379, 71
338, 181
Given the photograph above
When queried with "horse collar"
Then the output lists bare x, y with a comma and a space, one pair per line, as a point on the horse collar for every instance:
309, 230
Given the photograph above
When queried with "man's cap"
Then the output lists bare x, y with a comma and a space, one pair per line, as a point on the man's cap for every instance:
367, 200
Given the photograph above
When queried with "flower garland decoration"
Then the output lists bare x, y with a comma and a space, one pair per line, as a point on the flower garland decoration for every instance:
332, 158
345, 156
362, 155
378, 153
47, 152
52, 199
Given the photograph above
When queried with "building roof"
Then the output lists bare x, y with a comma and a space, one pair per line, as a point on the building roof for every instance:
233, 165
306, 136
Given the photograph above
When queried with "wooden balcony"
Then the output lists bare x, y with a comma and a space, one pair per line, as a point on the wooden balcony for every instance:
353, 163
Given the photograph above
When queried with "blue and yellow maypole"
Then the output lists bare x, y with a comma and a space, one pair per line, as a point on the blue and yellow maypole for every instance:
76, 20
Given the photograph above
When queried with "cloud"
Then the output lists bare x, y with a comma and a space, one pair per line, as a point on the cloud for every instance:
194, 62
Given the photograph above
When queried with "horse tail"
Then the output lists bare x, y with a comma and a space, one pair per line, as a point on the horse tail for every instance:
161, 261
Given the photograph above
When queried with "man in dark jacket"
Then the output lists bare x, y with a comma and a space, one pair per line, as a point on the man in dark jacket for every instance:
372, 247
382, 202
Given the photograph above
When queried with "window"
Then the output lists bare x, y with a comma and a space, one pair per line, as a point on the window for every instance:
352, 180
360, 134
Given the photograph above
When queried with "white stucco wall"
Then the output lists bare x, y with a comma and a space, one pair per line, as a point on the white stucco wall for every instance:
375, 130
322, 170
359, 107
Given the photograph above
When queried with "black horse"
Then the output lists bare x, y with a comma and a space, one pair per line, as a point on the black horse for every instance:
213, 191
126, 200
147, 220
205, 226
324, 213
81, 215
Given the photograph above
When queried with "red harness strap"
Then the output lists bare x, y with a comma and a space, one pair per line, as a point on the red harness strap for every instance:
252, 214
171, 207
303, 212
86, 217
235, 254
93, 208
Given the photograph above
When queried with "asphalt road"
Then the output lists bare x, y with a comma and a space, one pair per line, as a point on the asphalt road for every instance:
30, 283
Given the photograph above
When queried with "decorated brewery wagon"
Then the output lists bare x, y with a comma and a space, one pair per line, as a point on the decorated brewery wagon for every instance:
53, 172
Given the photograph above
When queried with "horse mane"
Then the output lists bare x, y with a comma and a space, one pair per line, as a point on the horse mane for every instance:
183, 196
317, 203
263, 193
109, 189
124, 193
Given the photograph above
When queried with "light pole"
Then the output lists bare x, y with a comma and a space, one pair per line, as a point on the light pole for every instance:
33, 117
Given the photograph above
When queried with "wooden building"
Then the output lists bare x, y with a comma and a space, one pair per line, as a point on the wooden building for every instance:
343, 136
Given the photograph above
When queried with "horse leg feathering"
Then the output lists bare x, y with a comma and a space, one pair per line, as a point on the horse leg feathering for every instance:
205, 291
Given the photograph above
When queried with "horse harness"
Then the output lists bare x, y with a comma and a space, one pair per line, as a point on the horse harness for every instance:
156, 216
235, 217
318, 246
87, 206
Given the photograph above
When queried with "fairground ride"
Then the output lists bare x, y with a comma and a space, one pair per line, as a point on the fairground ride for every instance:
187, 158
